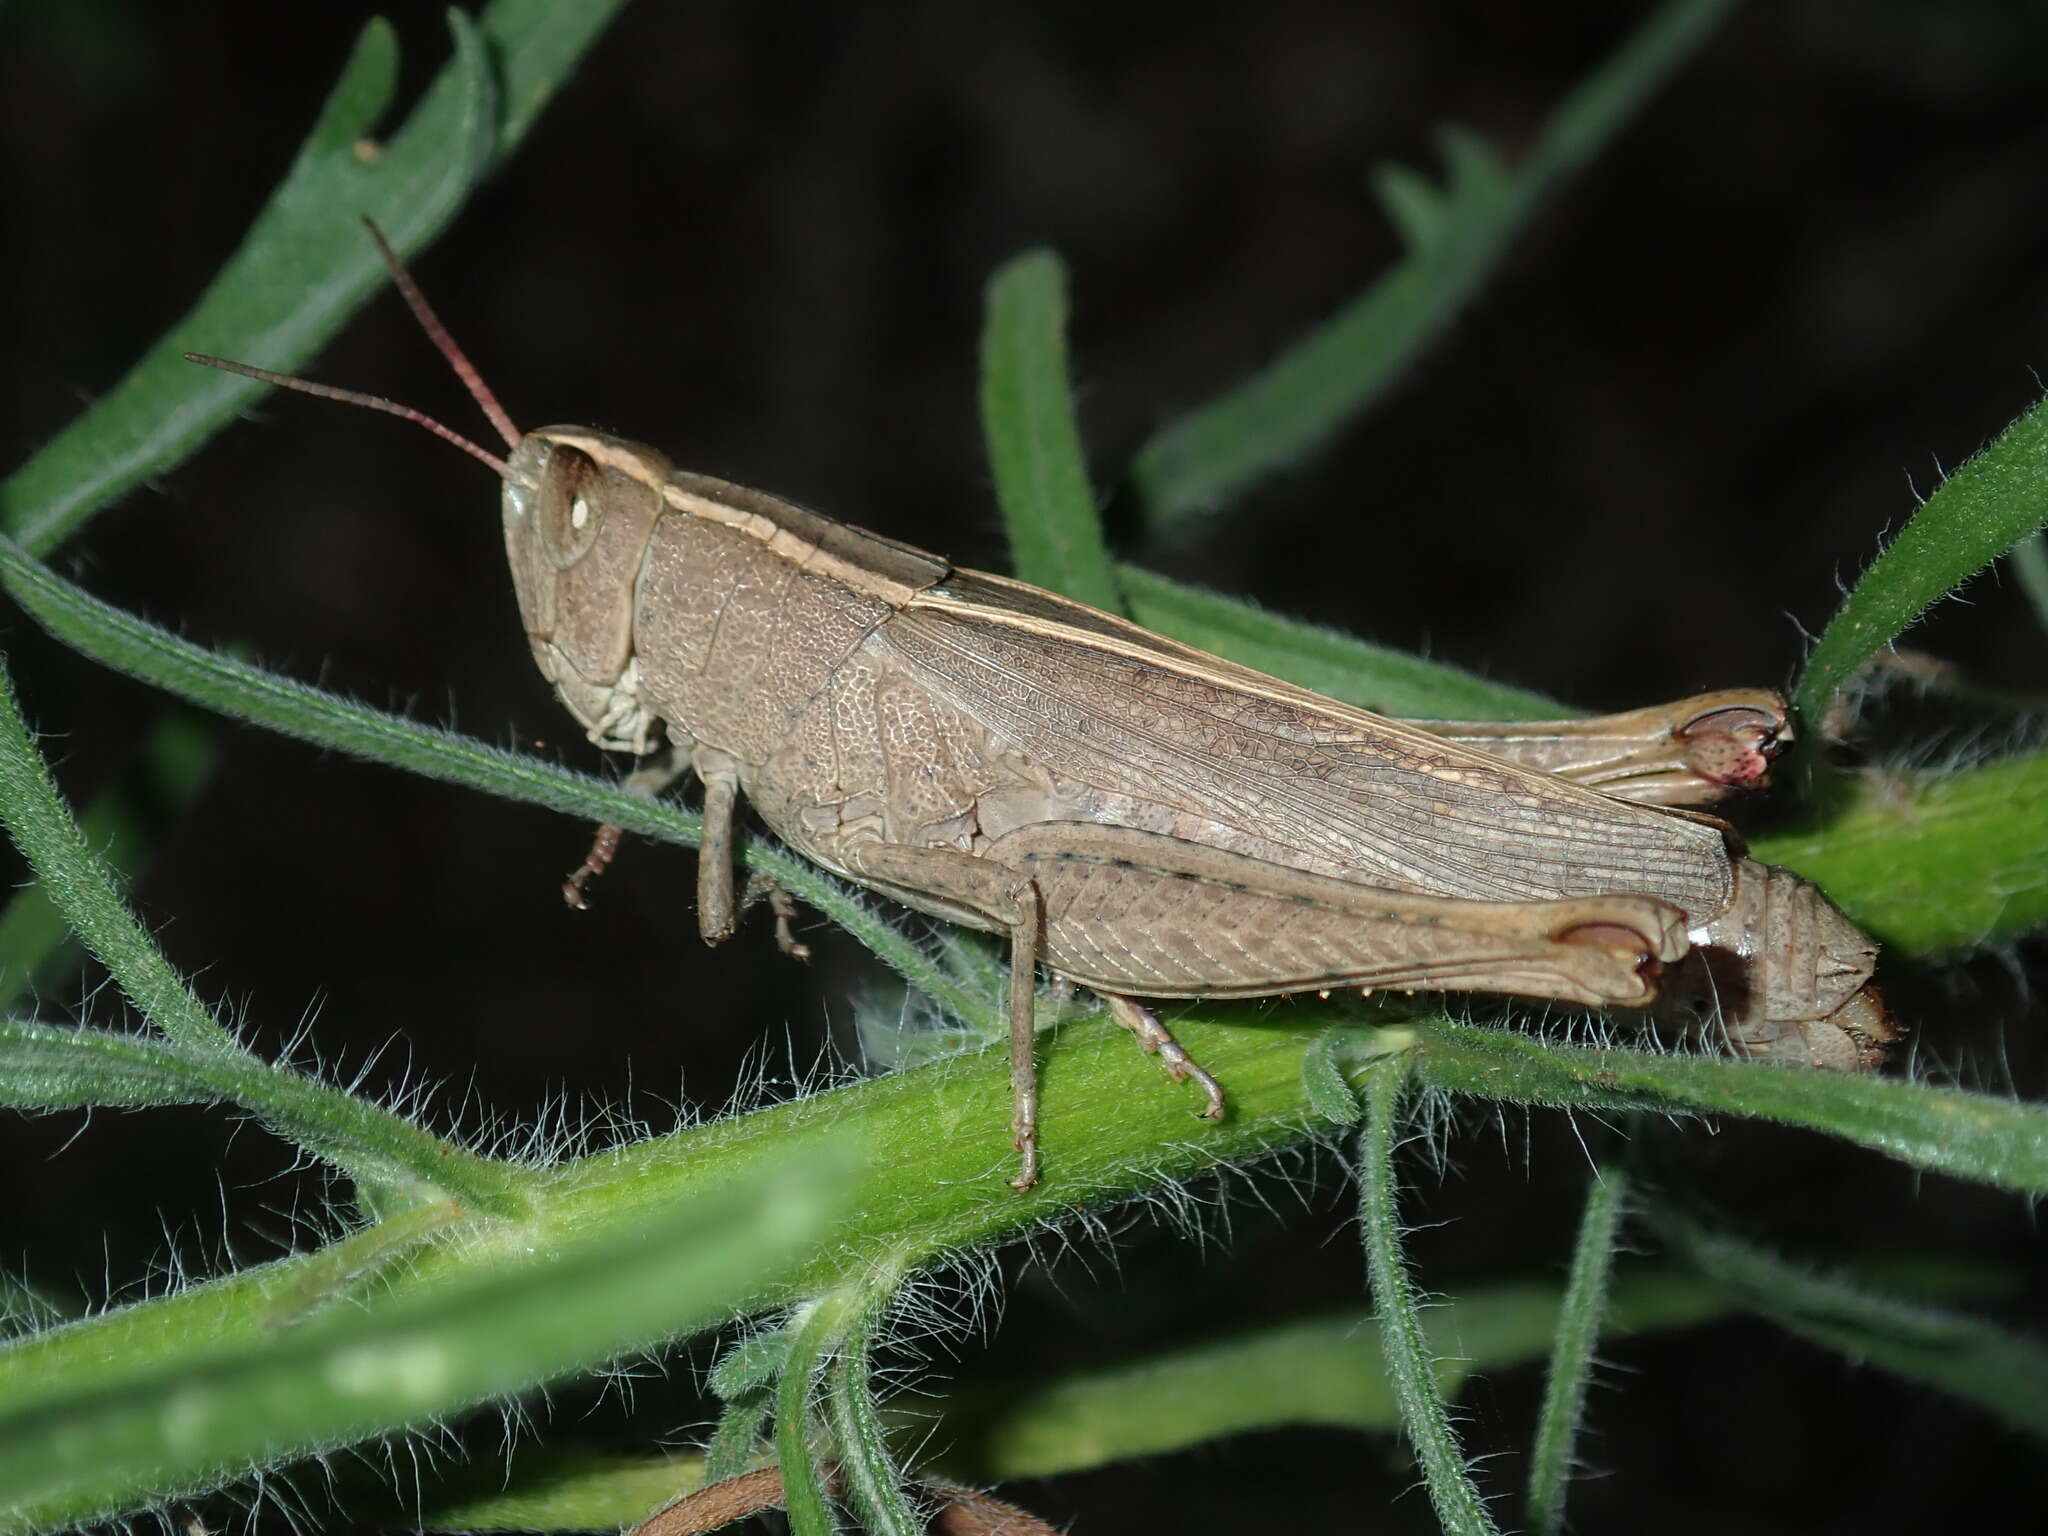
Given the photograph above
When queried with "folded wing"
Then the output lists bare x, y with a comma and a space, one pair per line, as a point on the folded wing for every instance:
1283, 773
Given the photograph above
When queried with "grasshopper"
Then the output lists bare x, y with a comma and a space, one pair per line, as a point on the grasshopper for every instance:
1137, 816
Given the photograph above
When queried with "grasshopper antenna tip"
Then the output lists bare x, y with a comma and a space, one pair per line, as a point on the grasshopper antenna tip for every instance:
437, 333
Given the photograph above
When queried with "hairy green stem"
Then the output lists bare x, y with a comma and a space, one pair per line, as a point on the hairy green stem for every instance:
78, 881
1411, 1364
47, 1066
1580, 1320
873, 1484
815, 1332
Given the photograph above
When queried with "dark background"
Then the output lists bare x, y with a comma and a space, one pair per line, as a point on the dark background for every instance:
1700, 391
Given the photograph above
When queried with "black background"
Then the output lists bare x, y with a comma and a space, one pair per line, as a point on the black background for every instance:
1702, 388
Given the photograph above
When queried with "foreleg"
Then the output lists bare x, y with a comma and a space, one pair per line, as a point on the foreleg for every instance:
648, 780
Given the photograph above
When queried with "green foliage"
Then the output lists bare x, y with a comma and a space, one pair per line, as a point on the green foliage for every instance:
304, 268
1454, 237
1990, 504
83, 1442
1411, 1366
1034, 446
1580, 1320
37, 946
467, 1277
1963, 1355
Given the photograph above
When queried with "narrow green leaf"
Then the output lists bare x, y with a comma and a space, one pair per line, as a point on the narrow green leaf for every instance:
1324, 1085
75, 877
48, 1067
814, 1334
304, 266
1325, 1369
736, 1442
1457, 236
1579, 1325
2000, 1371
751, 1363
1967, 1135
1933, 863
546, 1488
37, 947
1411, 1365
537, 45
276, 299
94, 1443
1328, 1369
1374, 677
1034, 446
873, 1485
1982, 510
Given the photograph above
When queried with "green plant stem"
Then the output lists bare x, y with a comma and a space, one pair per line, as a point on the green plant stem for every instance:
1411, 1365
111, 1434
1996, 1141
1932, 863
78, 882
937, 1154
1579, 1323
47, 1066
935, 1158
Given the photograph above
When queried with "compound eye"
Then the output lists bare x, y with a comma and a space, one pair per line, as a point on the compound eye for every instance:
570, 508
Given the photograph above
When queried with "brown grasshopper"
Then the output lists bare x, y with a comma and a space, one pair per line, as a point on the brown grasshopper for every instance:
1138, 816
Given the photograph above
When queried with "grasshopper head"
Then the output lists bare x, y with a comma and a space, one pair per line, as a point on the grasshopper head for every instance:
579, 509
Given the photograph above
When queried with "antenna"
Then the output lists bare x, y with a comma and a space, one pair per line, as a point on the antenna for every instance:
356, 397
430, 322
443, 343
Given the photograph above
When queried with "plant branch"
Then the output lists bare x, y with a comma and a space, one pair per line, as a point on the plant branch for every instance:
1411, 1364
1580, 1320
